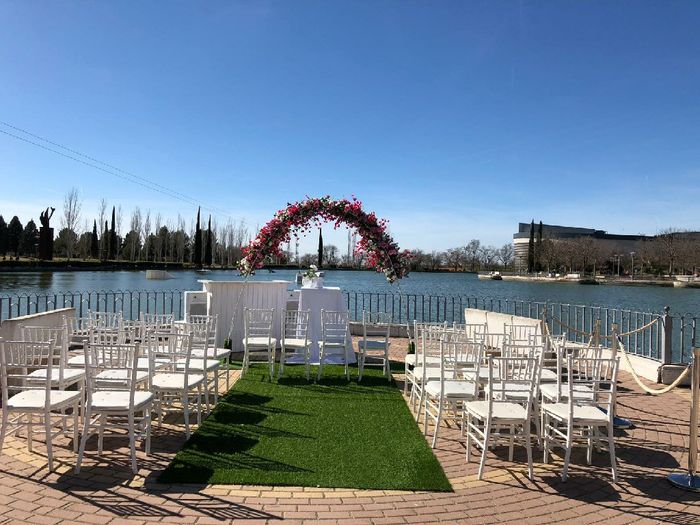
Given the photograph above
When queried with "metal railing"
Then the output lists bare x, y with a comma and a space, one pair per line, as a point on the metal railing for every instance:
670, 339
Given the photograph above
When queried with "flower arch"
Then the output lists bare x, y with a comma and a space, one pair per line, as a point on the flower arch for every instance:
381, 250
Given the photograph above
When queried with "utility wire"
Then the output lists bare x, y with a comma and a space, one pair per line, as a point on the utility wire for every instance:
102, 166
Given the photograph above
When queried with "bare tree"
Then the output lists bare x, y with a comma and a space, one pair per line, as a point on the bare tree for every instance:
505, 255
71, 217
135, 227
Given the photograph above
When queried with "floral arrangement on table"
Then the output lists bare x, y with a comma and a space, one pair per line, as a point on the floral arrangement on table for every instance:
381, 251
311, 272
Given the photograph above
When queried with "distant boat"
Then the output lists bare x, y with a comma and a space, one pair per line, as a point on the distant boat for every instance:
588, 280
203, 270
496, 276
158, 274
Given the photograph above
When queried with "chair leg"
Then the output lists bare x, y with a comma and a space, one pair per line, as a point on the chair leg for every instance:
49, 444
199, 405
485, 449
186, 412
228, 371
405, 379
147, 423
511, 442
76, 426
468, 452
216, 387
437, 422
360, 366
528, 448
132, 442
101, 431
320, 368
83, 439
30, 431
569, 446
589, 447
545, 437
280, 371
3, 429
611, 446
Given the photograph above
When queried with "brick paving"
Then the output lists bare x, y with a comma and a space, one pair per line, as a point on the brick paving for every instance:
106, 491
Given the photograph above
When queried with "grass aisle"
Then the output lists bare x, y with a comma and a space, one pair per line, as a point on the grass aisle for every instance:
329, 434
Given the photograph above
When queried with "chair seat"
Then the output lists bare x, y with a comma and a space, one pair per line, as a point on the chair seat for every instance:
430, 373
118, 400
110, 377
548, 376
517, 391
77, 361
453, 389
373, 345
198, 365
175, 381
583, 414
503, 411
581, 392
291, 342
330, 344
260, 342
158, 363
34, 400
70, 376
213, 353
411, 360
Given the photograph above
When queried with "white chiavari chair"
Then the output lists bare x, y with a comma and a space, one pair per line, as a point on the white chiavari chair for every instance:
257, 339
294, 340
374, 345
334, 346
33, 396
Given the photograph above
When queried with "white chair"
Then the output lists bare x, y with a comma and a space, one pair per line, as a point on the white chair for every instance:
521, 332
200, 361
105, 319
32, 397
452, 389
214, 352
580, 418
494, 341
485, 419
294, 340
115, 403
374, 345
176, 384
428, 358
158, 322
473, 331
62, 377
258, 341
410, 359
556, 391
334, 345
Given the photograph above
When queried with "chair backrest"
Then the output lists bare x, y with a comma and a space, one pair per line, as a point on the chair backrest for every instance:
200, 340
176, 346
597, 373
159, 322
494, 341
376, 325
520, 332
428, 337
295, 324
507, 375
258, 322
78, 327
105, 319
566, 349
18, 359
335, 327
59, 336
100, 357
104, 335
473, 331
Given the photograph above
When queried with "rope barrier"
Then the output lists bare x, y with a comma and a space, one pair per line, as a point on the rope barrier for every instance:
571, 328
640, 329
637, 379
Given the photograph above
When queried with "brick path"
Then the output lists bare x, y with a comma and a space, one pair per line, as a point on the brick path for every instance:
106, 491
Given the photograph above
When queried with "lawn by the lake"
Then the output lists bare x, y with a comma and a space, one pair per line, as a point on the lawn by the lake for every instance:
329, 434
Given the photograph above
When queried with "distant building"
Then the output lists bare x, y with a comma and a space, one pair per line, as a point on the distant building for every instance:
615, 243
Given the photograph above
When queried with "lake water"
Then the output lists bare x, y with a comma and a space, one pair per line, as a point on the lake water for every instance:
644, 298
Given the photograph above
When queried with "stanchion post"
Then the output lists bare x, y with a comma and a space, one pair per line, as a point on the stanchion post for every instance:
618, 422
667, 339
691, 480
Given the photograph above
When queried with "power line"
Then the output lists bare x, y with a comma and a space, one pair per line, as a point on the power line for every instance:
106, 167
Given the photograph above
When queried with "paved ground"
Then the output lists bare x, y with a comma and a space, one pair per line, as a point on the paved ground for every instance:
107, 492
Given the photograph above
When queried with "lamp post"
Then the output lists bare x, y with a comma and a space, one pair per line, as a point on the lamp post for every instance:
632, 254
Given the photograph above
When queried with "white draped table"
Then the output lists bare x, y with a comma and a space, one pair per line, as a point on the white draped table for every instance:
315, 300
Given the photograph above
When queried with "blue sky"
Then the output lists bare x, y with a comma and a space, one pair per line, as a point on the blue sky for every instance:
454, 120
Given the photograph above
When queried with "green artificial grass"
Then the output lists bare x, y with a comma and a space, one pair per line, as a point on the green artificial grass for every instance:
333, 433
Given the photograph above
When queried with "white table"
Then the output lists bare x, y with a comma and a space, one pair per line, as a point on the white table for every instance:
315, 300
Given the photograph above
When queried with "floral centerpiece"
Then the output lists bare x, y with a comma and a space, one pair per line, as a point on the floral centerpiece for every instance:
381, 251
311, 278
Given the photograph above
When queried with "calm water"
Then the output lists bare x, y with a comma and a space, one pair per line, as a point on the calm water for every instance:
644, 298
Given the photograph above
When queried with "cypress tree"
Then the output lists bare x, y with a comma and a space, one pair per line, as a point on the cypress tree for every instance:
94, 242
531, 249
197, 255
14, 235
208, 248
113, 239
320, 248
30, 239
3, 236
105, 243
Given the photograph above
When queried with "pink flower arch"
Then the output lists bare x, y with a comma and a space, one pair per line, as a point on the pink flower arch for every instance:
382, 252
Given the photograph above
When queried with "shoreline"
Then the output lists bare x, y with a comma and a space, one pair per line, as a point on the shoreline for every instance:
664, 283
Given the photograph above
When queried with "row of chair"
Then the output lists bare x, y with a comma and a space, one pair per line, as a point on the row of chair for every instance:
497, 392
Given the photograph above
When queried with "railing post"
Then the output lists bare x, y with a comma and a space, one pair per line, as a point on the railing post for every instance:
667, 337
614, 344
596, 333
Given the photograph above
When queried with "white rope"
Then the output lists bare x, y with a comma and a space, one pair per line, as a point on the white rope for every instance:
570, 328
648, 390
640, 329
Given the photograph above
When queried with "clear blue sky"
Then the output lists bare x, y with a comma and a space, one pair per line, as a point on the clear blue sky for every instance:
454, 120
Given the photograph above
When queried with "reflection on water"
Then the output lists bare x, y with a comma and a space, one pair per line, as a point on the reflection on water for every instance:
651, 299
